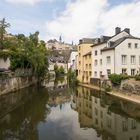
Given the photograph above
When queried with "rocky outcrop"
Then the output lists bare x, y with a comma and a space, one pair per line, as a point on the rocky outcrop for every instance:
131, 86
106, 84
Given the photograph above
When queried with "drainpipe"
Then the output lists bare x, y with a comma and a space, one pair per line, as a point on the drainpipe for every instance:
114, 61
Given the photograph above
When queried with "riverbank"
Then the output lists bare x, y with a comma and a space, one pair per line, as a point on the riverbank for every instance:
125, 96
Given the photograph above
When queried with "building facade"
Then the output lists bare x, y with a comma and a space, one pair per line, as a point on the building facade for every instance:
118, 54
84, 60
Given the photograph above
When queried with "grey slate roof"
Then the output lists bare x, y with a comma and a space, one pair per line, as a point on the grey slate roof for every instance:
119, 41
61, 56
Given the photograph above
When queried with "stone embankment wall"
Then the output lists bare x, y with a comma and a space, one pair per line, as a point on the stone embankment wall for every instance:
13, 84
131, 85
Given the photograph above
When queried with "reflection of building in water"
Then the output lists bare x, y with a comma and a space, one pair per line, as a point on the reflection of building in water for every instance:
119, 127
83, 106
107, 118
56, 84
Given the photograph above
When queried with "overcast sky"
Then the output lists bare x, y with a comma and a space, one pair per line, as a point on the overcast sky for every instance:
72, 19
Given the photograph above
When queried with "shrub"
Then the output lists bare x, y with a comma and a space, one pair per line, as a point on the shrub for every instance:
59, 71
137, 77
117, 78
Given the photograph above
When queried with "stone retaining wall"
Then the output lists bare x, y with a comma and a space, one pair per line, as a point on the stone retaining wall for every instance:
130, 85
13, 84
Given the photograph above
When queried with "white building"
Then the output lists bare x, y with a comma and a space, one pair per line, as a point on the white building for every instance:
72, 60
4, 63
117, 54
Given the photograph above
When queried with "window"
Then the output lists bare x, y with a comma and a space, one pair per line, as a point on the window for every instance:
96, 111
89, 66
100, 73
133, 124
79, 54
136, 45
95, 100
89, 56
133, 59
96, 62
129, 45
109, 123
124, 59
100, 61
108, 72
101, 114
108, 59
124, 126
95, 73
100, 52
86, 66
96, 52
96, 121
79, 62
79, 48
133, 72
124, 71
90, 73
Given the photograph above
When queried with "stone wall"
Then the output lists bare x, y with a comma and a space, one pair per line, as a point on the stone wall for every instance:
13, 84
131, 86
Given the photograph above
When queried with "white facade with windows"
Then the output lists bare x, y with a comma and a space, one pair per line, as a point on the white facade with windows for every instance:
120, 54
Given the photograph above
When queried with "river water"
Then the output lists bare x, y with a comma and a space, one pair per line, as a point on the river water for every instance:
63, 113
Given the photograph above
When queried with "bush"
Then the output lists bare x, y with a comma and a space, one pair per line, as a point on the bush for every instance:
117, 78
59, 71
137, 77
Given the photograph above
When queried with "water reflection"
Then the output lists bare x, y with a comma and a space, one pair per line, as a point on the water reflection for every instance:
113, 119
39, 113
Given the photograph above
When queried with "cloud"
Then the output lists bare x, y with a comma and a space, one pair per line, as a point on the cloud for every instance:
125, 15
86, 18
80, 19
29, 2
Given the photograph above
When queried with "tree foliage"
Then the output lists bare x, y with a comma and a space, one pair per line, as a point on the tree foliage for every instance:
3, 26
24, 51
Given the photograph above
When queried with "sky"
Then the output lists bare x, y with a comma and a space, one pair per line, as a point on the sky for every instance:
71, 19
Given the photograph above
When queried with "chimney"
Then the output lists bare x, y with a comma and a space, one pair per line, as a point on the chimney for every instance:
80, 41
127, 30
117, 30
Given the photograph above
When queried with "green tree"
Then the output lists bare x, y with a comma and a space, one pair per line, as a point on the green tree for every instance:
3, 26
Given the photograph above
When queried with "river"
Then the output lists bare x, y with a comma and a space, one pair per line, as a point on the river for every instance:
63, 113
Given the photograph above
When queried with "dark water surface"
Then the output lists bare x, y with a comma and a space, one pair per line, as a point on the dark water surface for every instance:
67, 114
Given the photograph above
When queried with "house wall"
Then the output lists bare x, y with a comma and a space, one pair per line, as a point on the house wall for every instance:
123, 49
108, 66
72, 60
82, 50
97, 68
87, 68
4, 63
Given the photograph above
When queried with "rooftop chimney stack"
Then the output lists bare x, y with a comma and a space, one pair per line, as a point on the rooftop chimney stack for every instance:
127, 30
117, 30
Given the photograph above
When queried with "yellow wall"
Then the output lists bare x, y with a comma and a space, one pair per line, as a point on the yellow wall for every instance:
82, 50
84, 107
87, 68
